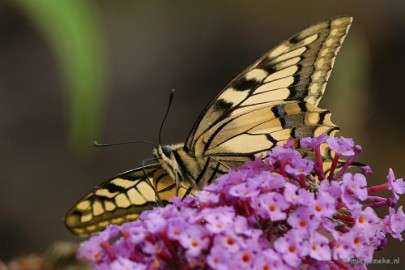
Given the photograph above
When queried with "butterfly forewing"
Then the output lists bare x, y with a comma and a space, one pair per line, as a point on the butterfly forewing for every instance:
296, 71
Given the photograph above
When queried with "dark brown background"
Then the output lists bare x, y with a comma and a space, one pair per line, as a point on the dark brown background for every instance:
196, 48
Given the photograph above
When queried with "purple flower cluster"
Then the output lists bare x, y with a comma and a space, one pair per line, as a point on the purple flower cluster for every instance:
286, 211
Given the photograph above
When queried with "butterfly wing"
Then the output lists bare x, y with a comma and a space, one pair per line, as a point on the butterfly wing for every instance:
273, 99
122, 199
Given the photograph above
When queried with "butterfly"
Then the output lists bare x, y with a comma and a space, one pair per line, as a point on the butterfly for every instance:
270, 101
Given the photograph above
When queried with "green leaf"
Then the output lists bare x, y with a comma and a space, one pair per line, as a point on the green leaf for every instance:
72, 29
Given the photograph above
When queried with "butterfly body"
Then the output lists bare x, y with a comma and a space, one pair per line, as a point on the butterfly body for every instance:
197, 171
274, 99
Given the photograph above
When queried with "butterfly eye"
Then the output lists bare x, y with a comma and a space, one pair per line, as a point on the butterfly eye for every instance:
166, 150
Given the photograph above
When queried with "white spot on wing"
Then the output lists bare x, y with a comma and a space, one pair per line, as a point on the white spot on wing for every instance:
122, 201
147, 191
281, 83
233, 96
83, 205
269, 96
86, 218
109, 206
135, 197
256, 74
105, 193
123, 183
277, 51
282, 73
308, 40
289, 55
97, 208
287, 63
331, 42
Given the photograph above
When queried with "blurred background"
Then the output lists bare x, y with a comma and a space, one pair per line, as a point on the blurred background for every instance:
72, 72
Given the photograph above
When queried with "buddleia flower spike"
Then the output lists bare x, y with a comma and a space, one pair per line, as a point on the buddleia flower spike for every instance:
269, 213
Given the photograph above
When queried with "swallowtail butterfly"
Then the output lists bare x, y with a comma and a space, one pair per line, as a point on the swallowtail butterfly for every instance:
272, 100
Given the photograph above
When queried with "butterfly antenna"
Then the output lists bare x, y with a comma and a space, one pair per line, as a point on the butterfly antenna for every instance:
166, 114
96, 144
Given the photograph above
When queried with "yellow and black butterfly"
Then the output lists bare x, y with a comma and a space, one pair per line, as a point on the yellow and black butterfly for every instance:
272, 100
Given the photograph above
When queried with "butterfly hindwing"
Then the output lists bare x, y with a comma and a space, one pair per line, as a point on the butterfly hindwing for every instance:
274, 99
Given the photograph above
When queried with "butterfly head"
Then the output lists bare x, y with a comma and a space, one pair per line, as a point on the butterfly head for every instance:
168, 156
